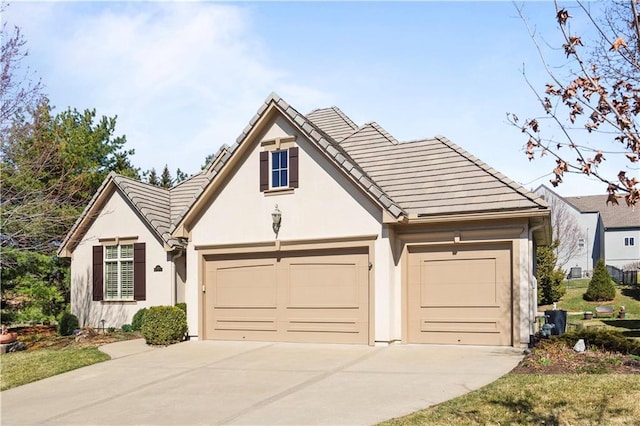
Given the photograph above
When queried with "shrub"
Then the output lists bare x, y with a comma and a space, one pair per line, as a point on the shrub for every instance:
138, 319
127, 328
608, 340
164, 325
111, 330
601, 286
182, 306
67, 324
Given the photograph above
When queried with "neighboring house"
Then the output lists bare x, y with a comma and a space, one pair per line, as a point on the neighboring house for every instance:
610, 232
621, 228
581, 235
314, 229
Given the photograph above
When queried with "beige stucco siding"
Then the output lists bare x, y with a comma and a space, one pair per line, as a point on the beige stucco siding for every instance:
117, 220
326, 205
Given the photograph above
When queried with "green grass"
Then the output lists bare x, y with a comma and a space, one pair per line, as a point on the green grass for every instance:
539, 399
626, 295
20, 368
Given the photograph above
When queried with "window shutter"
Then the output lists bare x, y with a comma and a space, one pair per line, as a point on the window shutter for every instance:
139, 271
264, 171
97, 273
293, 167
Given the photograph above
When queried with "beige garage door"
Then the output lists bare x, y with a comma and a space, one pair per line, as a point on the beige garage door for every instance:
459, 295
296, 297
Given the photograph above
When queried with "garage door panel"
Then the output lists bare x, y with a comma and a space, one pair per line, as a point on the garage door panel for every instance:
246, 286
324, 285
245, 322
460, 295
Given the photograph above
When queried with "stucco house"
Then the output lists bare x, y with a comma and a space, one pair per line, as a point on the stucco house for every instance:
311, 228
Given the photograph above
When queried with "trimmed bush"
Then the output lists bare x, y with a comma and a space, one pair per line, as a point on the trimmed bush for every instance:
67, 324
601, 286
182, 306
127, 328
164, 325
138, 319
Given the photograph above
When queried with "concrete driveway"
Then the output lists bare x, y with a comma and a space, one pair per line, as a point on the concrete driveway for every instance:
256, 383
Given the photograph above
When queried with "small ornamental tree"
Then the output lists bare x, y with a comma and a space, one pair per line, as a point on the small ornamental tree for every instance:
550, 280
601, 286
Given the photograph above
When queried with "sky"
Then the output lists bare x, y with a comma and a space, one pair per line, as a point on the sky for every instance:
184, 78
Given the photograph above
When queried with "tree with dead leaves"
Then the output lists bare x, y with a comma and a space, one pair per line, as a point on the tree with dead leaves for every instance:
597, 101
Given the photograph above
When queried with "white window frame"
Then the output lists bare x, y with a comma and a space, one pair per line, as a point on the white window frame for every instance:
124, 275
273, 169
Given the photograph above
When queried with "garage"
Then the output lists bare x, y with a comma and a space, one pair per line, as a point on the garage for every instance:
459, 294
319, 296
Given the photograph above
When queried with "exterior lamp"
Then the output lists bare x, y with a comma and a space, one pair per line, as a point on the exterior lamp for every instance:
276, 216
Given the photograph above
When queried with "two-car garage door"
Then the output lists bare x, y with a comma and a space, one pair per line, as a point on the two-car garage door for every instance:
460, 294
320, 296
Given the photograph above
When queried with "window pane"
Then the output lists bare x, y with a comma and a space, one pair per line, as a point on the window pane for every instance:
275, 179
111, 252
283, 159
284, 181
126, 279
126, 251
111, 280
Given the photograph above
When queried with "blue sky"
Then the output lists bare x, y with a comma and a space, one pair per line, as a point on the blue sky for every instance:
184, 78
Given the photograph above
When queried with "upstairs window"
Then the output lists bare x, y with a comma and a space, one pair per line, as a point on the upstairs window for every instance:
581, 242
629, 241
280, 169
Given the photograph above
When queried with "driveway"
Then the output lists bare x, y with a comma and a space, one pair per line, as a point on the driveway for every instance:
253, 383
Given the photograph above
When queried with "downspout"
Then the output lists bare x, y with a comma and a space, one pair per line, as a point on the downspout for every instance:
533, 284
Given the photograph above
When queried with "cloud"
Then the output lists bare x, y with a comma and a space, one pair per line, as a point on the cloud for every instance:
183, 78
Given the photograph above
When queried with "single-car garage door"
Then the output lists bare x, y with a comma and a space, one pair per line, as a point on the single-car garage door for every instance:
459, 294
320, 296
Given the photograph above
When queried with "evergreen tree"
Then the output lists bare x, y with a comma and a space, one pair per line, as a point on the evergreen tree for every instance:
551, 285
601, 287
152, 177
165, 178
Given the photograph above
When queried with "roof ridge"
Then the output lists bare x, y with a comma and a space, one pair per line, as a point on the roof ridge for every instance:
383, 132
535, 198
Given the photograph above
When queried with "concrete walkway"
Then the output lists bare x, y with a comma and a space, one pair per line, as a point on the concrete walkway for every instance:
255, 383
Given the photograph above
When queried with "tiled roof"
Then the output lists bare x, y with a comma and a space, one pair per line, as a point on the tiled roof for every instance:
333, 122
428, 177
619, 216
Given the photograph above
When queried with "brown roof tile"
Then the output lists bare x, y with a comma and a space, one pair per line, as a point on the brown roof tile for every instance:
619, 216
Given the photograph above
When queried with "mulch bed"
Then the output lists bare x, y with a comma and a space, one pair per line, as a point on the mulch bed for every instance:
46, 337
556, 358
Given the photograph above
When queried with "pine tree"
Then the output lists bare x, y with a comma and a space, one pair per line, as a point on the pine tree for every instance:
152, 178
601, 286
165, 178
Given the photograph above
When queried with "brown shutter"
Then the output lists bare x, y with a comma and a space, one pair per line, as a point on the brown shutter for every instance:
293, 167
264, 171
98, 264
139, 271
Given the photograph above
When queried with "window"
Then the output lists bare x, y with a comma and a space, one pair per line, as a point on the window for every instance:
280, 169
581, 242
118, 272
629, 241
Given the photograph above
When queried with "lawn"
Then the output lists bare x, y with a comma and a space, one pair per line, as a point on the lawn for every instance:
626, 295
584, 399
20, 368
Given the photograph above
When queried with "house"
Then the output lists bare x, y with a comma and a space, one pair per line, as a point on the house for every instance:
581, 233
621, 228
311, 228
606, 231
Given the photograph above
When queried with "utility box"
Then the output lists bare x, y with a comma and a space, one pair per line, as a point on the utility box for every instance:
575, 272
559, 320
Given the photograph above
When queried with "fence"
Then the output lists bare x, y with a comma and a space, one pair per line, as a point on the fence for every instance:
623, 277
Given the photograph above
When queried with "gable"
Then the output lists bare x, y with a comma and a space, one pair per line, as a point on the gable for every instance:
325, 204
